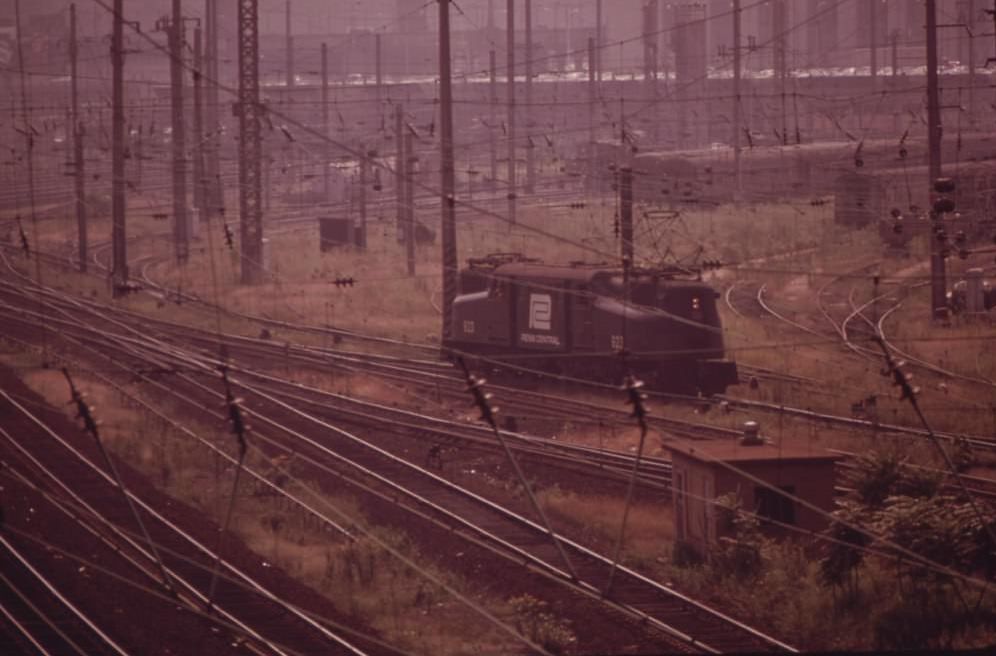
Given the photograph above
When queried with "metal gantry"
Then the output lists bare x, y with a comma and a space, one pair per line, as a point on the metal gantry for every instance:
250, 143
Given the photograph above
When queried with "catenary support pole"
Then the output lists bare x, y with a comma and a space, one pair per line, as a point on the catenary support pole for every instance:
198, 149
400, 165
181, 236
410, 161
119, 271
510, 120
215, 200
290, 81
873, 8
379, 78
530, 145
626, 213
737, 121
76, 129
938, 282
592, 155
599, 39
250, 143
492, 117
448, 180
361, 240
325, 120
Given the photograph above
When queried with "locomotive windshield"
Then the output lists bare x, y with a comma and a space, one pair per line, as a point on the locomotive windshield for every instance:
642, 288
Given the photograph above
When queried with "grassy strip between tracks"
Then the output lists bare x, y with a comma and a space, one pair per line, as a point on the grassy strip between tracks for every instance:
357, 576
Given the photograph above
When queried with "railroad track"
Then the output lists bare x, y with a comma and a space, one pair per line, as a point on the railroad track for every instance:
38, 617
514, 538
307, 417
433, 373
261, 618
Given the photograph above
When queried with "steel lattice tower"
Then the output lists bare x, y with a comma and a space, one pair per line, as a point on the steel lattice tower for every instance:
250, 143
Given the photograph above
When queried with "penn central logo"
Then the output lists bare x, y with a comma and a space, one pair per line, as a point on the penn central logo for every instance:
540, 311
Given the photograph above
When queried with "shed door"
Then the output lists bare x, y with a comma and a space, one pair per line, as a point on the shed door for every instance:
680, 511
710, 509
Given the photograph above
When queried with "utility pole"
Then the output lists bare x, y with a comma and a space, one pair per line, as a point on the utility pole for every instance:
938, 282
77, 131
736, 124
510, 77
325, 119
492, 105
119, 271
592, 160
250, 143
198, 150
400, 165
290, 49
175, 32
410, 160
448, 182
530, 159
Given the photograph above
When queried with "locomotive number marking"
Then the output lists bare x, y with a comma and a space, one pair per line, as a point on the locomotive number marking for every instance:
540, 311
468, 327
616, 342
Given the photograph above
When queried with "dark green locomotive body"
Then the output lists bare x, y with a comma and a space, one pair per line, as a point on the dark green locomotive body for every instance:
576, 321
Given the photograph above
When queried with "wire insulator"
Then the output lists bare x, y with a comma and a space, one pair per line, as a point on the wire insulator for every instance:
636, 398
239, 426
482, 399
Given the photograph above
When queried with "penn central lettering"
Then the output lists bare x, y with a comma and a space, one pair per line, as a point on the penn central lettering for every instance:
532, 338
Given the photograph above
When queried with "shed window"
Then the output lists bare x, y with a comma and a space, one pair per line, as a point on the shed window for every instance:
774, 505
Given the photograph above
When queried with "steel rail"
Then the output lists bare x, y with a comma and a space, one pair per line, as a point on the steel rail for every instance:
71, 510
251, 583
50, 587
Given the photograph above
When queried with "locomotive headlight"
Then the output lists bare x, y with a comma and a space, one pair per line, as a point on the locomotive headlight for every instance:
696, 304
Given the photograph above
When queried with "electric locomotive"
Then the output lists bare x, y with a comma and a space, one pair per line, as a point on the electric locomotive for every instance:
592, 321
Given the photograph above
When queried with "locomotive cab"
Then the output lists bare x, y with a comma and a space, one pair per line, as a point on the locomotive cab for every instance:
671, 329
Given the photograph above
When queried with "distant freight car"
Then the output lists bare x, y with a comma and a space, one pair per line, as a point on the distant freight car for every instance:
863, 198
575, 320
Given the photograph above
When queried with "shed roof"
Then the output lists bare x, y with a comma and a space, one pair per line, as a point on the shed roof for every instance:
708, 451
